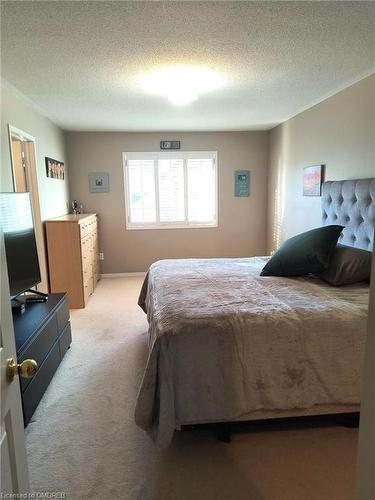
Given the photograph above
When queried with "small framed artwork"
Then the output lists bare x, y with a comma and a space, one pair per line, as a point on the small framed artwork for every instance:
312, 180
242, 183
99, 182
55, 169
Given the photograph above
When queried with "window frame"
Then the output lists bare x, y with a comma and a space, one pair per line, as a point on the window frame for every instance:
156, 155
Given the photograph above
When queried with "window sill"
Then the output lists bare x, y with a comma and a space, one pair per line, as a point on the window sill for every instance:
174, 226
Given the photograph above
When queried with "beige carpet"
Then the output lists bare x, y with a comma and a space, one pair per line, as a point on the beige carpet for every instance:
83, 440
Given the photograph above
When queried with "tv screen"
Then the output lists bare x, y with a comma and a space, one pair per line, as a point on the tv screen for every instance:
20, 244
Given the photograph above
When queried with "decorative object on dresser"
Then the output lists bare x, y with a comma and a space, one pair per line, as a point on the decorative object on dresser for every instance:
42, 333
73, 256
77, 207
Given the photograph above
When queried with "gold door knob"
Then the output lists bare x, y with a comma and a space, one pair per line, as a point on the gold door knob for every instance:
26, 369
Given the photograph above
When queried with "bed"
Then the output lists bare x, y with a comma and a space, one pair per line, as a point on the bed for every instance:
226, 344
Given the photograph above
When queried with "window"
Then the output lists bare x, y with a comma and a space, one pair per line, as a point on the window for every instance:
170, 189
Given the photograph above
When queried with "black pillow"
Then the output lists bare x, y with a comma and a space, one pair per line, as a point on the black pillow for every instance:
348, 265
305, 253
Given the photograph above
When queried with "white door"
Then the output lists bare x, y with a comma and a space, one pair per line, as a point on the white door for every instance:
14, 473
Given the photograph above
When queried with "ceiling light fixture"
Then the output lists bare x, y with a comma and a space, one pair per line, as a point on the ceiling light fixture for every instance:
181, 84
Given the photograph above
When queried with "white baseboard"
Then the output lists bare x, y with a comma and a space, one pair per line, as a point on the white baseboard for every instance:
122, 275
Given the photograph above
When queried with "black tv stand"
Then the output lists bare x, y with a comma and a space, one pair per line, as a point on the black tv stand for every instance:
42, 333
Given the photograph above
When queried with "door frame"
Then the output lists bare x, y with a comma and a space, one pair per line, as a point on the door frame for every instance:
366, 441
23, 136
33, 186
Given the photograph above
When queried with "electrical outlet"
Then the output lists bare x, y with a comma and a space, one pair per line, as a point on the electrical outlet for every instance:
101, 256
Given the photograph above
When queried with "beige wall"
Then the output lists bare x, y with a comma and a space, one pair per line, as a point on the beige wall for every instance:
338, 132
242, 221
18, 111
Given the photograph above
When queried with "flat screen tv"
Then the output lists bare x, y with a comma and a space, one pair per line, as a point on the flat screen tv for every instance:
20, 244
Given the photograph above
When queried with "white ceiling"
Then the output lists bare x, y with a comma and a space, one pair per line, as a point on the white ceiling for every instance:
79, 60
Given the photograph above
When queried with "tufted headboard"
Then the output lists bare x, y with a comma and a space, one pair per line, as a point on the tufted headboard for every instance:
351, 204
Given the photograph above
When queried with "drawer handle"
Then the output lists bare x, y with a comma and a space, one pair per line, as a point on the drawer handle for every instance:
26, 369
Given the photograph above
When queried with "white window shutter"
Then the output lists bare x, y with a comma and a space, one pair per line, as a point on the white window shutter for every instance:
201, 190
141, 189
171, 190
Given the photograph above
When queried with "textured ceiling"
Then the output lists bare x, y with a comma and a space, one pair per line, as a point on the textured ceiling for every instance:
79, 61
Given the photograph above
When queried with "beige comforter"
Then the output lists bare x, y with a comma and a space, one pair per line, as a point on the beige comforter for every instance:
224, 341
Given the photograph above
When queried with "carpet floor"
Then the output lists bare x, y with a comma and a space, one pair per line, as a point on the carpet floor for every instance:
83, 440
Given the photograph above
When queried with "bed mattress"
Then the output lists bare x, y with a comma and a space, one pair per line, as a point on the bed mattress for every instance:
225, 341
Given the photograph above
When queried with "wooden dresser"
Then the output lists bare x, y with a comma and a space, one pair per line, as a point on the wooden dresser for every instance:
73, 256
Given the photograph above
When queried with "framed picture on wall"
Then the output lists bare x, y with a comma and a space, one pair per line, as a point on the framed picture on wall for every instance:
55, 169
99, 182
312, 180
242, 183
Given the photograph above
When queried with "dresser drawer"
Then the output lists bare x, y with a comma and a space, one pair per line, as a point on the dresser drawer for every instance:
39, 383
84, 229
93, 226
40, 347
86, 250
65, 340
62, 315
87, 290
88, 226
